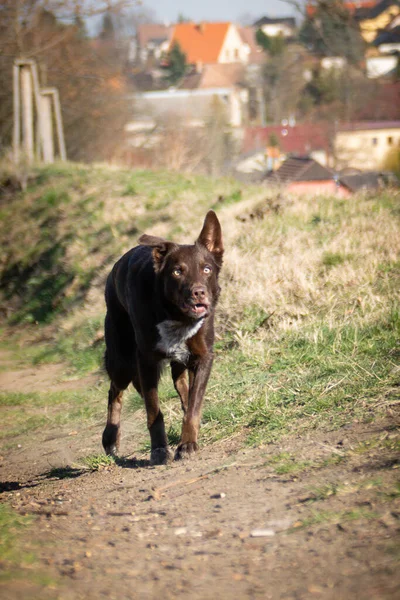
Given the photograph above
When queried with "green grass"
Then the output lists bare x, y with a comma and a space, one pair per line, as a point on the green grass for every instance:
11, 526
94, 462
79, 348
17, 556
322, 517
25, 413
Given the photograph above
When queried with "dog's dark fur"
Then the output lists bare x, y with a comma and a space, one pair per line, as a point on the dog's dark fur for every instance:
160, 300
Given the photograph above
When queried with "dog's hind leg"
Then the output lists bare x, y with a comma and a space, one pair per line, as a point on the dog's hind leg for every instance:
119, 362
112, 432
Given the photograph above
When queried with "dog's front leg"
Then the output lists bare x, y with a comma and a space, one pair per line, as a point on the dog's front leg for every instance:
179, 377
149, 373
199, 374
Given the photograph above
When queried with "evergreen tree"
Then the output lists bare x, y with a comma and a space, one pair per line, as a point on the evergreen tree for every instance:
273, 45
177, 64
107, 30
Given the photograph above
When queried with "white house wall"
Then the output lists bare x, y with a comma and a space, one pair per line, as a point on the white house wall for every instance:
379, 66
233, 49
365, 149
275, 29
188, 105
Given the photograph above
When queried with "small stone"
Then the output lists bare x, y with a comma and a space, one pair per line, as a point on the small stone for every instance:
220, 495
315, 589
262, 533
180, 531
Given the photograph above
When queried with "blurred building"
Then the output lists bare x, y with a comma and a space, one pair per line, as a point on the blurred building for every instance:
277, 26
365, 145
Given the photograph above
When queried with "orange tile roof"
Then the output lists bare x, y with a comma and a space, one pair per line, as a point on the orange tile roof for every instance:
201, 42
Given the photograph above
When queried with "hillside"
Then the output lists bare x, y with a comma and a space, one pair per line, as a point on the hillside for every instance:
307, 350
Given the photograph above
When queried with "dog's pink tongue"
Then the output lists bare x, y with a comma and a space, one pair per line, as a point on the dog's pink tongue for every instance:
200, 309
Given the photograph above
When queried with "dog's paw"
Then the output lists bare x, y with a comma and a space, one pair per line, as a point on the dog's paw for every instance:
186, 450
111, 440
160, 456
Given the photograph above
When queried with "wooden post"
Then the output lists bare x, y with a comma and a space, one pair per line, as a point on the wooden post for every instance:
17, 116
36, 91
27, 112
59, 126
47, 127
28, 93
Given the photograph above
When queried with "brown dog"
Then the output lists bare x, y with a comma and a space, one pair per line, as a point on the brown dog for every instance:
160, 300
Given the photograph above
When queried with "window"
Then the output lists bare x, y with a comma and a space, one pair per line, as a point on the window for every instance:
236, 53
390, 140
374, 141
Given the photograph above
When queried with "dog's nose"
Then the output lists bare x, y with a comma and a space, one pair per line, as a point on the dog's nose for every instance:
199, 293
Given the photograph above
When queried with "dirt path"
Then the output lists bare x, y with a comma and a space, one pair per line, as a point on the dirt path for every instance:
316, 517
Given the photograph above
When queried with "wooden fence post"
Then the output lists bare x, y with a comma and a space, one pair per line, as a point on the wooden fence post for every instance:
36, 107
27, 112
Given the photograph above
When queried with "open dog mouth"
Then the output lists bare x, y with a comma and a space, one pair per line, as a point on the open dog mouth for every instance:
197, 310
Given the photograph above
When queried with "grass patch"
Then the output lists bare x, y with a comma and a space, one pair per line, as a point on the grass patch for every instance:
82, 348
14, 555
95, 462
12, 526
333, 259
25, 413
322, 517
285, 463
17, 557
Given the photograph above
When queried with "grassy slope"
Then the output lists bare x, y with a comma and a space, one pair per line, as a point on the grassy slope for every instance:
308, 319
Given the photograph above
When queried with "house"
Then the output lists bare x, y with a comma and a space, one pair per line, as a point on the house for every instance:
381, 66
365, 145
190, 107
256, 55
278, 26
376, 18
388, 41
214, 76
368, 180
312, 139
207, 43
152, 41
382, 104
304, 175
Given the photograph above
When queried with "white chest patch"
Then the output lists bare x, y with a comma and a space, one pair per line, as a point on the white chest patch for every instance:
174, 336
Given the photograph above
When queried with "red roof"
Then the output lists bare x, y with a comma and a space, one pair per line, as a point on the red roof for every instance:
368, 125
201, 42
148, 32
299, 139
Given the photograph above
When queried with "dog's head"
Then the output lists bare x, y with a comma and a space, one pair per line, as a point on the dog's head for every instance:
188, 275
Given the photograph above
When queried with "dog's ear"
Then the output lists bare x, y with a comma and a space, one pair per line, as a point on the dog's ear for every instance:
211, 236
160, 247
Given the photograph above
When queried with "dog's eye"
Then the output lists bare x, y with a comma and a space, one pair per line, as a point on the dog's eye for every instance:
207, 270
177, 272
